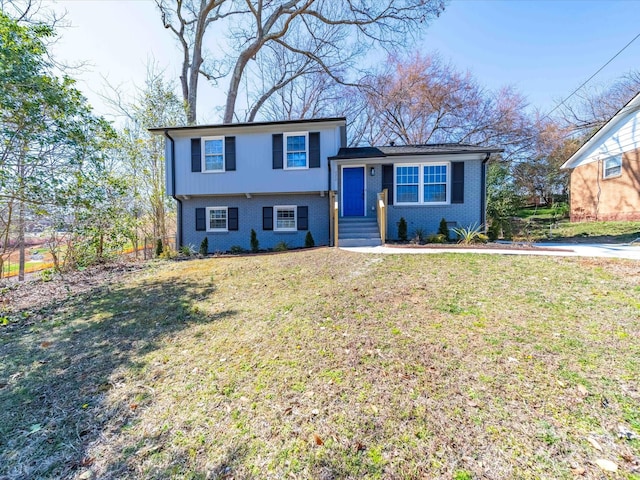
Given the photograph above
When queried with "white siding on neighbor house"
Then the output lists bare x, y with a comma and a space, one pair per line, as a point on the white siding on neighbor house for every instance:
623, 137
254, 172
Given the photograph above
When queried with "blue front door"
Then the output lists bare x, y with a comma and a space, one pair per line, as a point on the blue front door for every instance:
353, 191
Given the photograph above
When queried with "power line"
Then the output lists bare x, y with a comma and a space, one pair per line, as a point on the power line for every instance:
591, 77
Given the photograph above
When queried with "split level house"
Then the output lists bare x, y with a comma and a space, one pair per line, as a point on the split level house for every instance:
605, 171
284, 179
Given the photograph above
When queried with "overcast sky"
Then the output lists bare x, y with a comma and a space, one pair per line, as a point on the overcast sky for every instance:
545, 48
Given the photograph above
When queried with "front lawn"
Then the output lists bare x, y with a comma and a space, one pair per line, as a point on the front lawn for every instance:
326, 364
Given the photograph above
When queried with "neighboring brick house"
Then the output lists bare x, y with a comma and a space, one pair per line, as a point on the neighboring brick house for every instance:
283, 179
605, 171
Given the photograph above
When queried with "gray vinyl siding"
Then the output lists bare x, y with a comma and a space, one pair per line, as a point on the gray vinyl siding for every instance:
428, 217
254, 172
250, 216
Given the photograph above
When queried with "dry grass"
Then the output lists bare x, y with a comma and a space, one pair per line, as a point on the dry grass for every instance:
327, 364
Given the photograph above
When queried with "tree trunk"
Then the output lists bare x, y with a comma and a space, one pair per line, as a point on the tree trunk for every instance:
21, 227
234, 84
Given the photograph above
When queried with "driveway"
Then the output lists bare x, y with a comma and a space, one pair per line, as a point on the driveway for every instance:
549, 249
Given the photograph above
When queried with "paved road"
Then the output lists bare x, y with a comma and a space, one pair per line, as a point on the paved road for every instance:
548, 249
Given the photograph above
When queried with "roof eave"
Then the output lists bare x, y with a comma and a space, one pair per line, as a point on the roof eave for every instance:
419, 154
248, 124
602, 131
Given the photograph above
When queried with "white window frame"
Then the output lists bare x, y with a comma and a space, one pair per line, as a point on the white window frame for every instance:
618, 159
294, 208
204, 140
395, 187
421, 183
447, 183
208, 219
285, 163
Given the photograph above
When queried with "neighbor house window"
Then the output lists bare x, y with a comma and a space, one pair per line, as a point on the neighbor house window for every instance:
407, 180
422, 184
213, 154
217, 219
296, 153
612, 166
285, 218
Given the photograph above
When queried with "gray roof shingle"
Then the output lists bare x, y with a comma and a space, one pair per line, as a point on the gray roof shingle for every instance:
403, 150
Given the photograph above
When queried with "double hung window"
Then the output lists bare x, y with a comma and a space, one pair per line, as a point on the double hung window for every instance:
297, 153
217, 219
213, 154
422, 184
285, 218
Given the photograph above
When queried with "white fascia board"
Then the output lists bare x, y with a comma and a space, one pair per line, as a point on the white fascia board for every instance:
579, 157
397, 159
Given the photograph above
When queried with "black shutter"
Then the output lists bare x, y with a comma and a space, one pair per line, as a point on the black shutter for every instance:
457, 182
196, 158
229, 154
314, 150
387, 182
232, 218
201, 219
267, 218
303, 218
277, 150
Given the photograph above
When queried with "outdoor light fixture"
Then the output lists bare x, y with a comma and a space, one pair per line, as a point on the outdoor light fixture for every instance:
373, 172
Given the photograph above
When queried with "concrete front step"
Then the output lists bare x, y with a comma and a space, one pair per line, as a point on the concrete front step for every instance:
358, 232
359, 242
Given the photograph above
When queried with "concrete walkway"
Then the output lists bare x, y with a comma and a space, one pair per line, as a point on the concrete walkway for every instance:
549, 249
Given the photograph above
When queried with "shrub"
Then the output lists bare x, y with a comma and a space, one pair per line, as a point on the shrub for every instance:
435, 238
188, 250
281, 247
168, 253
494, 230
204, 246
443, 229
419, 236
255, 244
236, 249
308, 240
470, 234
402, 230
560, 209
47, 274
159, 247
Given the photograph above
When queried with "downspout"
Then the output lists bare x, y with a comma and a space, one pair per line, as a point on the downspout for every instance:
173, 190
483, 189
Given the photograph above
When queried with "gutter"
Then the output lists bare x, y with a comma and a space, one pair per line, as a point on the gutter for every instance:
483, 189
173, 190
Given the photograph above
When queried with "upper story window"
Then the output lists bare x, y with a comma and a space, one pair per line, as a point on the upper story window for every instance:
422, 184
213, 154
296, 150
612, 167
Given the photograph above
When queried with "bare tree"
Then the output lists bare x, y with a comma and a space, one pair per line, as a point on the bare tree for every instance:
540, 175
591, 108
323, 32
142, 155
424, 100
